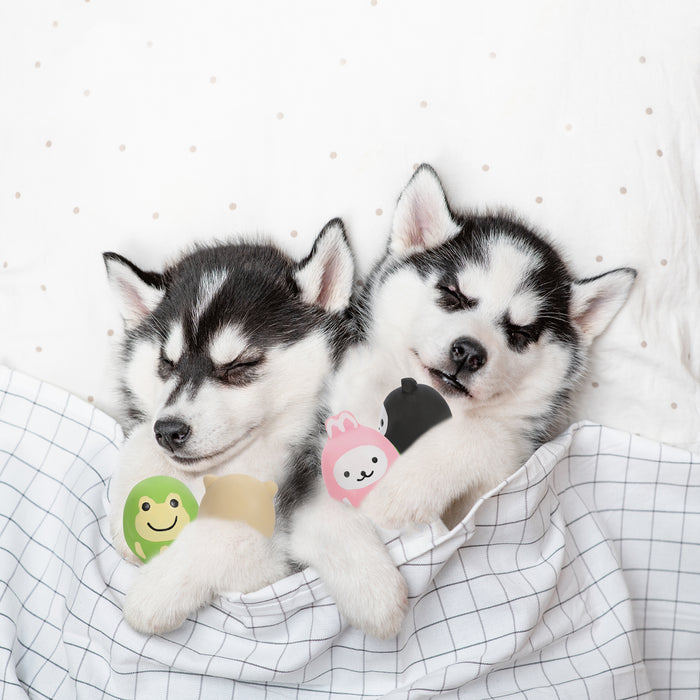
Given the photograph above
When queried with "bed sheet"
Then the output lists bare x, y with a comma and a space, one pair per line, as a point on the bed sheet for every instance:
142, 127
578, 577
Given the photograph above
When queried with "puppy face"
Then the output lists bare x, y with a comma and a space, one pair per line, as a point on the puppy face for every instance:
485, 308
230, 343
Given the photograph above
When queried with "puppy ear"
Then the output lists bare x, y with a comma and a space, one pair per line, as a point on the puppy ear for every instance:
595, 301
326, 277
137, 292
422, 219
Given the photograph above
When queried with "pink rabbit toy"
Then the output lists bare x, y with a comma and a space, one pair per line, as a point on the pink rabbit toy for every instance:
354, 459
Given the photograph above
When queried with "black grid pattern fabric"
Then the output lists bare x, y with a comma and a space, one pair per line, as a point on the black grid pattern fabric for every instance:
577, 578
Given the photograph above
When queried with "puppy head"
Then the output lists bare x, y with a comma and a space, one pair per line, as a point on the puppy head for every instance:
229, 341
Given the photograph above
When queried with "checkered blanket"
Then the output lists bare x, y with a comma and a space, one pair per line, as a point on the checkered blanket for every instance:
578, 577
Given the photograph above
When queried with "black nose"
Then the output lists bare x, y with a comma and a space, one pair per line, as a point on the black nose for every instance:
171, 433
468, 353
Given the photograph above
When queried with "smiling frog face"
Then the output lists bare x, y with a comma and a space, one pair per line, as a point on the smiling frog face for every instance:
156, 511
161, 522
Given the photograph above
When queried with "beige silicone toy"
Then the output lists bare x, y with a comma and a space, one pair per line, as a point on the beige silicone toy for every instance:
240, 497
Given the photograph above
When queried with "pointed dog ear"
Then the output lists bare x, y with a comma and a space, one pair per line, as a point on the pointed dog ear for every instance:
595, 301
138, 293
326, 277
422, 219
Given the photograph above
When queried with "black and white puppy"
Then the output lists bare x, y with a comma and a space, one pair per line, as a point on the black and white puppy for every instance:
222, 369
484, 310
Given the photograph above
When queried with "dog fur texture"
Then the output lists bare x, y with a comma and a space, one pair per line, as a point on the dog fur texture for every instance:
224, 361
486, 311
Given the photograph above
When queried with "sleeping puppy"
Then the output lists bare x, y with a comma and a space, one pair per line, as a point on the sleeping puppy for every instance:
484, 310
223, 364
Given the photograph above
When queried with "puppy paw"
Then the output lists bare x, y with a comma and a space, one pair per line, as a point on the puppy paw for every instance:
396, 503
377, 608
157, 601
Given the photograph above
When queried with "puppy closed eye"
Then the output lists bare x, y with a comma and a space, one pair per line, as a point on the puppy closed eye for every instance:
238, 372
165, 366
452, 299
519, 337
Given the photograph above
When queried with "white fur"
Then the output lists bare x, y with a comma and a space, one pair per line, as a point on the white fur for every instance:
447, 468
346, 551
227, 345
175, 344
251, 430
209, 286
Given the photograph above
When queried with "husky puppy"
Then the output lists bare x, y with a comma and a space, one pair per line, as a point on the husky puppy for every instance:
485, 311
222, 368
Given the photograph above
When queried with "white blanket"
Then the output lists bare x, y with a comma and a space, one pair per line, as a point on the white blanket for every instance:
576, 578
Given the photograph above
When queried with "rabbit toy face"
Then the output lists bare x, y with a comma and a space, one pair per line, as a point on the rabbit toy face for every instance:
354, 459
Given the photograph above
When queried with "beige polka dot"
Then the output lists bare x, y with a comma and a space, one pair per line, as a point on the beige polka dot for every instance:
280, 115
378, 212
155, 215
212, 80
43, 287
122, 147
674, 405
492, 54
333, 155
595, 385
76, 210
642, 59
649, 110
643, 343
193, 149
4, 265
38, 348
599, 258
232, 206
37, 64
90, 399
664, 262
659, 153
568, 127
110, 332
18, 195
294, 234
86, 93
423, 104
539, 200
485, 167
623, 190
49, 144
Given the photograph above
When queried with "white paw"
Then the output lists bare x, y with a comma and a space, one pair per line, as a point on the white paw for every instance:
377, 607
157, 602
397, 502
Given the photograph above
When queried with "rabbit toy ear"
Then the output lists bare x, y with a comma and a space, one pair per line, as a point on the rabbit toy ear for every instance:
339, 423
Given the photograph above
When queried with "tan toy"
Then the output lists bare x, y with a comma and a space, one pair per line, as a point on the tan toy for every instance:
240, 497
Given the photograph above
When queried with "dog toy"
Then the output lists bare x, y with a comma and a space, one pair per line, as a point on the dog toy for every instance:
410, 411
354, 458
155, 512
240, 497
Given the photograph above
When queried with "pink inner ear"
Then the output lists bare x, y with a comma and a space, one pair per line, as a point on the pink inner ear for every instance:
133, 299
328, 275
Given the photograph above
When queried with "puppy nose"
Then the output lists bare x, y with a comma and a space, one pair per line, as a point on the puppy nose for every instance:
468, 353
171, 433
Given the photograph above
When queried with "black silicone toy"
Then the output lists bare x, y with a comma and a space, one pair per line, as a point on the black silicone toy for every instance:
411, 410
